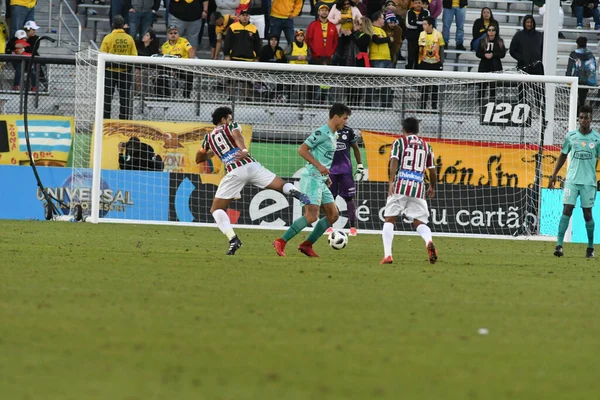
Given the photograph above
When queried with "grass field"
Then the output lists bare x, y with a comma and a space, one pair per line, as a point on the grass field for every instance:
146, 312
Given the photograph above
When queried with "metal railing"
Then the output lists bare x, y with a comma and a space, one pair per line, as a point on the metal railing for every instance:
62, 22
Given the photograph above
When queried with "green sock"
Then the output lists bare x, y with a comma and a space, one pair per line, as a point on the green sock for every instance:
589, 227
562, 228
318, 231
295, 229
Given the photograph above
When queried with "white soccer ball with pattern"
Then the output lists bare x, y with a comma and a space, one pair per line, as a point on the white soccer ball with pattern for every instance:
337, 240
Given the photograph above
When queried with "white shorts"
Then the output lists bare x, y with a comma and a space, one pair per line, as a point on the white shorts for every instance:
232, 184
411, 207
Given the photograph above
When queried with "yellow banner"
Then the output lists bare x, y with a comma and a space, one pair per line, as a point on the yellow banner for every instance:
469, 162
176, 143
50, 139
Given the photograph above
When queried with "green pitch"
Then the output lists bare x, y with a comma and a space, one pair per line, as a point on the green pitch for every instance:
151, 312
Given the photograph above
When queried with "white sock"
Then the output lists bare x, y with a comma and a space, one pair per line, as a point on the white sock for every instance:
425, 233
287, 187
388, 236
224, 223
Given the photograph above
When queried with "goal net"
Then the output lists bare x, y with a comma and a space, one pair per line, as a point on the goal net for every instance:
495, 137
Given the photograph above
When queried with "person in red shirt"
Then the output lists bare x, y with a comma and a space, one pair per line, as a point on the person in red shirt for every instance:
322, 40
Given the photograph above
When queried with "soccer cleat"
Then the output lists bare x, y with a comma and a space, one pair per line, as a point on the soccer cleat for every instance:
279, 245
353, 232
300, 196
558, 251
234, 245
307, 249
589, 252
432, 252
387, 260
328, 231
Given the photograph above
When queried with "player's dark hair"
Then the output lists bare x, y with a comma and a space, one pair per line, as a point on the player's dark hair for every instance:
339, 109
220, 113
581, 42
586, 109
411, 125
430, 21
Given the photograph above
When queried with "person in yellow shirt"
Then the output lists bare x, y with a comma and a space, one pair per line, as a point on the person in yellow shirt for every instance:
179, 47
118, 42
20, 11
380, 57
431, 58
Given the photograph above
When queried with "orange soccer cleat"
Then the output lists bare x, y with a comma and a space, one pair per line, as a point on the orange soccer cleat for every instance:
387, 260
432, 252
307, 249
279, 245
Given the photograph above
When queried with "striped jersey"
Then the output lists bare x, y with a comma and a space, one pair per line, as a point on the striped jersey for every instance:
414, 157
221, 142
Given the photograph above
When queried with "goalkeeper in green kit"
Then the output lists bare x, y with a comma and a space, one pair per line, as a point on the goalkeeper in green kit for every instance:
582, 146
318, 150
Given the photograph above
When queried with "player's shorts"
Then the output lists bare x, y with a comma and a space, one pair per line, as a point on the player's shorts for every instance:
586, 193
315, 188
343, 185
411, 207
232, 184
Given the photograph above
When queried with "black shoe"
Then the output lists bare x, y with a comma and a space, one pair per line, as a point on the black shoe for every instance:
300, 196
589, 253
234, 244
400, 58
558, 251
460, 47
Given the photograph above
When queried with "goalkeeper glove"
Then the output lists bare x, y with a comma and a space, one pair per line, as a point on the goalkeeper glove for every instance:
359, 175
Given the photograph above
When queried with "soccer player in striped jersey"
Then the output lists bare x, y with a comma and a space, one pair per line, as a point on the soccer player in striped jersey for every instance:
410, 157
582, 147
226, 142
318, 150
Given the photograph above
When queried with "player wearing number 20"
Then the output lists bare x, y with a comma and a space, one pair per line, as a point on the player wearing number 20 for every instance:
227, 143
410, 157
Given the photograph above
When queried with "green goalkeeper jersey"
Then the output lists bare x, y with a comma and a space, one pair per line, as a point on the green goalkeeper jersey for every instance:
583, 151
322, 144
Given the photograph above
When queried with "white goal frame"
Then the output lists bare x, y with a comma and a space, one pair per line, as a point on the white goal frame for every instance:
104, 58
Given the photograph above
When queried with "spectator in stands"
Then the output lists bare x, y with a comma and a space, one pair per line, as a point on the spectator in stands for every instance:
20, 46
481, 25
435, 10
414, 26
297, 52
454, 10
282, 17
187, 15
363, 31
271, 52
586, 9
242, 42
491, 51
582, 64
118, 77
322, 38
222, 24
431, 58
526, 47
342, 13
210, 7
141, 15
380, 57
399, 8
227, 7
177, 46
117, 7
148, 45
31, 29
257, 10
394, 32
21, 11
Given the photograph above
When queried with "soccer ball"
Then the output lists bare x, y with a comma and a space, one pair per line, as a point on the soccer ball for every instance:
337, 240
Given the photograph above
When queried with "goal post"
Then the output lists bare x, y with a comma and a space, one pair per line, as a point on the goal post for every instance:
495, 138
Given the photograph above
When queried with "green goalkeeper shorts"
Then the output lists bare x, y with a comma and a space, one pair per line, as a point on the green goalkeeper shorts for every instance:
316, 189
586, 193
